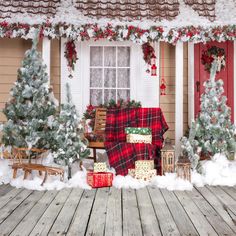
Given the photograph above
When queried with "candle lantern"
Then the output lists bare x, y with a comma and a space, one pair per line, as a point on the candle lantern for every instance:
183, 168
153, 67
167, 157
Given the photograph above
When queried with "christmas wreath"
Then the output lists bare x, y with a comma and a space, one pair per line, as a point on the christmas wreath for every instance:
70, 55
211, 54
148, 53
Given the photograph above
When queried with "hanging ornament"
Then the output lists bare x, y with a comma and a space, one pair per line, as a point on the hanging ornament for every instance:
213, 120
163, 87
163, 82
153, 67
150, 58
153, 70
71, 56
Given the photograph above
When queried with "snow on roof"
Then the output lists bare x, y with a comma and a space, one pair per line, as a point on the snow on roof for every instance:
203, 7
8, 8
129, 10
174, 13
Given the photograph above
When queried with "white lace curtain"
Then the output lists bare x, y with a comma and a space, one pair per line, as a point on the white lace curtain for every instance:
109, 73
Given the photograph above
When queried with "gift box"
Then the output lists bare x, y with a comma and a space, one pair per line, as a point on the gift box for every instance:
100, 167
135, 130
138, 138
144, 165
145, 175
142, 174
98, 180
131, 172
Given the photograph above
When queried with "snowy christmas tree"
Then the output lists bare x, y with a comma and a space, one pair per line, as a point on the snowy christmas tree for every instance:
31, 109
72, 145
212, 132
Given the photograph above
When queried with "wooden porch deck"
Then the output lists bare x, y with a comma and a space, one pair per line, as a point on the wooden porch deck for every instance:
111, 212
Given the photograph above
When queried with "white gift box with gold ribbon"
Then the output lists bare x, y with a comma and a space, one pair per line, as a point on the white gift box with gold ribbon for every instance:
145, 165
138, 138
145, 175
100, 167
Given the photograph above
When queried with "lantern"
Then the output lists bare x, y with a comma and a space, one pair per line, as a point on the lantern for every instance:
163, 87
153, 67
168, 157
183, 168
153, 70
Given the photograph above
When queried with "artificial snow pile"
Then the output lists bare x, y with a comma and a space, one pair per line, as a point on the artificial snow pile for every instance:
168, 181
34, 181
218, 171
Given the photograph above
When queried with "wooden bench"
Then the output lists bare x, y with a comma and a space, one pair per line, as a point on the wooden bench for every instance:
99, 130
28, 167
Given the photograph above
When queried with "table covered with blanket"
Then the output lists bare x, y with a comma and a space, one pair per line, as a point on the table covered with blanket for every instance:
122, 155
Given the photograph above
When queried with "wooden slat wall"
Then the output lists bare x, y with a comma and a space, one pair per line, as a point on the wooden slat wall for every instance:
167, 102
55, 67
11, 55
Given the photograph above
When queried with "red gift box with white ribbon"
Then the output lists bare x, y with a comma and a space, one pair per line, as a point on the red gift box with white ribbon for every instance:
99, 180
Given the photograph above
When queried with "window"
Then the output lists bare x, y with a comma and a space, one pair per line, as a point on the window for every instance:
109, 73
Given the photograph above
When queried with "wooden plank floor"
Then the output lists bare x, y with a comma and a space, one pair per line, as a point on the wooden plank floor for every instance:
113, 212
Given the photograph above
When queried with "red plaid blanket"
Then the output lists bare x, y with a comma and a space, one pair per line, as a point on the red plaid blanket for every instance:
153, 118
116, 122
122, 155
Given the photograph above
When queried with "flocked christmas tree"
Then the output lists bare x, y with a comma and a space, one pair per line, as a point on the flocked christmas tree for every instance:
213, 131
72, 145
31, 109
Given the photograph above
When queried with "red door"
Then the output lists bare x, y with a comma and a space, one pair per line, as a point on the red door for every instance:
226, 74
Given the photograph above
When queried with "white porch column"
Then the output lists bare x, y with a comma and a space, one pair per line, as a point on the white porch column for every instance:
234, 81
157, 50
190, 83
179, 70
46, 55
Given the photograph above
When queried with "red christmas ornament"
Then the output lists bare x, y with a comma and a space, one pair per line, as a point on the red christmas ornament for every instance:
153, 70
163, 87
163, 82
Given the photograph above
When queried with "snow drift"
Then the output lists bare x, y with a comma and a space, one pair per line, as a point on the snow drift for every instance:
218, 171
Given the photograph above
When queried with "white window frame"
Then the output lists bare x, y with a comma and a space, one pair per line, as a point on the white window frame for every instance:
116, 67
143, 86
85, 82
